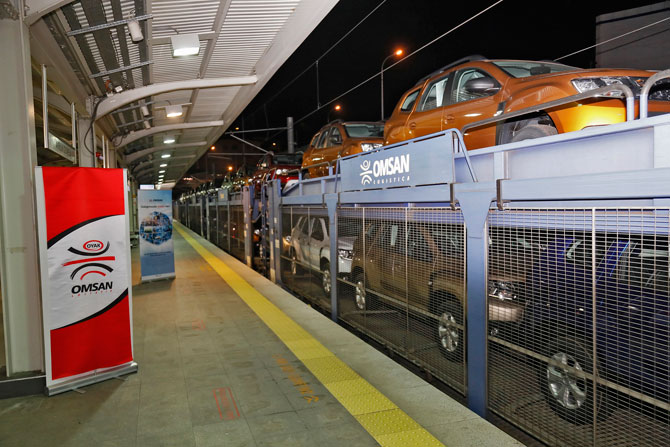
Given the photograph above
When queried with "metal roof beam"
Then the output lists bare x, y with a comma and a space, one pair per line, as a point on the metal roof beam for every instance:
134, 136
121, 99
39, 8
145, 152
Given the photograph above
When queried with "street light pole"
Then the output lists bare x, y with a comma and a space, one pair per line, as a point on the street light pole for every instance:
381, 72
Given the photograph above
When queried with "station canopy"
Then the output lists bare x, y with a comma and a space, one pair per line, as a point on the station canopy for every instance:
94, 55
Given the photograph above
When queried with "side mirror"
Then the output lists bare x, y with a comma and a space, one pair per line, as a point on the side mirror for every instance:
480, 86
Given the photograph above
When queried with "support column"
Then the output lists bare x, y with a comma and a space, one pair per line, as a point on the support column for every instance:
289, 135
247, 206
19, 256
331, 203
86, 149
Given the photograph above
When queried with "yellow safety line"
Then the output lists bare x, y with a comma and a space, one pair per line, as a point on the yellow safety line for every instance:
389, 425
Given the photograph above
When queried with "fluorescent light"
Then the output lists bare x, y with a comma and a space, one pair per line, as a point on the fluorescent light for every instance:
165, 156
168, 139
185, 45
161, 171
163, 165
173, 111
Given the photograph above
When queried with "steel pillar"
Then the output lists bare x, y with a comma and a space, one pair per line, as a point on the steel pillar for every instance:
19, 255
475, 202
289, 135
247, 206
331, 203
86, 149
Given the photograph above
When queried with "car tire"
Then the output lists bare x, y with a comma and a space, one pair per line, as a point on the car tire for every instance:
294, 263
569, 396
326, 279
449, 336
360, 295
533, 131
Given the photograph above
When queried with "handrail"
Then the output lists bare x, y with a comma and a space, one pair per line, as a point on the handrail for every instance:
599, 92
644, 93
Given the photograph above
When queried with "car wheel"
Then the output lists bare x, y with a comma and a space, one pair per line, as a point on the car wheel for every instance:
449, 332
294, 263
326, 282
566, 392
359, 292
532, 131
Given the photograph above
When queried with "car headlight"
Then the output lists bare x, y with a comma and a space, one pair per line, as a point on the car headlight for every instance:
346, 254
502, 290
369, 146
585, 84
282, 171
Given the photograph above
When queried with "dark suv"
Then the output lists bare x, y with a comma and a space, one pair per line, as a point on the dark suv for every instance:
598, 307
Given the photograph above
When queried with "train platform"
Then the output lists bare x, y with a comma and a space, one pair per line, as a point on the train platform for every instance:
227, 357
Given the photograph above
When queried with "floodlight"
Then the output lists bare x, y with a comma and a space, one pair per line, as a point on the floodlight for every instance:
173, 111
185, 44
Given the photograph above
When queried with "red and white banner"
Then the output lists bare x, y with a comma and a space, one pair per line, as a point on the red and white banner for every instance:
86, 274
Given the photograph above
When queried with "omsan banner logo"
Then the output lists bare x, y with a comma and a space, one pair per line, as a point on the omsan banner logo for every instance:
393, 169
92, 262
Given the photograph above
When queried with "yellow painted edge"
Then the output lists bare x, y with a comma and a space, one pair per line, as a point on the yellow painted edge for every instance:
389, 425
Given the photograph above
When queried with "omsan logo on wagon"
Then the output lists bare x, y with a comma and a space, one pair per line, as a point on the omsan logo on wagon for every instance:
93, 264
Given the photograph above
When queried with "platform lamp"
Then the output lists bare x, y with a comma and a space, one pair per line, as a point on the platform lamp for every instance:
399, 52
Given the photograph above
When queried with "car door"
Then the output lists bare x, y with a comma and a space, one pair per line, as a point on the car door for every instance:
302, 242
467, 104
332, 149
395, 278
316, 238
420, 255
427, 115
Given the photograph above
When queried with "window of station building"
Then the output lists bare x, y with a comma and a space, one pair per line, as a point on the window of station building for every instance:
434, 94
408, 103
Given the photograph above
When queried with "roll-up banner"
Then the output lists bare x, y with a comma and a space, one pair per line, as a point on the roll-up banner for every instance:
156, 246
86, 275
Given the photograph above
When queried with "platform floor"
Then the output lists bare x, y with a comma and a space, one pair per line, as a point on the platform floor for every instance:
247, 365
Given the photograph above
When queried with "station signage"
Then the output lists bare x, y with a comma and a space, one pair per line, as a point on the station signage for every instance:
86, 274
407, 164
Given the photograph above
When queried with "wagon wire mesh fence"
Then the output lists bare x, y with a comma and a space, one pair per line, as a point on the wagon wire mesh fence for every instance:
588, 363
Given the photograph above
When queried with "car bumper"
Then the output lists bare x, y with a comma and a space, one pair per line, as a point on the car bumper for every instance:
344, 266
508, 311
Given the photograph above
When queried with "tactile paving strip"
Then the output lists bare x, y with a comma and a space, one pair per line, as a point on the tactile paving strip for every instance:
385, 422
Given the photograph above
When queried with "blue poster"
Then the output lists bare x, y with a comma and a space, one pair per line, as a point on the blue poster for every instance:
156, 247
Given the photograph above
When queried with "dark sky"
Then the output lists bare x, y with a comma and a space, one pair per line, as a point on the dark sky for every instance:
513, 29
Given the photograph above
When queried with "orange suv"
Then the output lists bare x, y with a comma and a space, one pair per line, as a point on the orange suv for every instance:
339, 139
473, 89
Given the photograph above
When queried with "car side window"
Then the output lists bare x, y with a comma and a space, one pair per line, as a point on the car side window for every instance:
417, 247
580, 252
408, 103
317, 230
322, 140
433, 96
315, 140
396, 237
459, 91
335, 138
304, 229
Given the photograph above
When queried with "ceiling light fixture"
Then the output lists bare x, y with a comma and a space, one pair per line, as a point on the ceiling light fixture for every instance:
147, 125
135, 30
174, 111
165, 156
145, 110
161, 171
163, 165
168, 139
185, 45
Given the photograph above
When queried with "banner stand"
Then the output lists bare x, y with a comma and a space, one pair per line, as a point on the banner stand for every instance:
85, 269
154, 212
74, 384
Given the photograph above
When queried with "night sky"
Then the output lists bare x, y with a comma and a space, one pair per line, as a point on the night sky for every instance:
514, 29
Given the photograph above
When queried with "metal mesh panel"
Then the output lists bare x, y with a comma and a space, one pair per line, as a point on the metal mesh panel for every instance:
305, 253
213, 221
237, 232
223, 240
194, 218
406, 283
587, 362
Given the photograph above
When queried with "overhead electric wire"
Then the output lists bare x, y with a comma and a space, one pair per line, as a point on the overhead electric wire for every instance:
613, 38
295, 78
399, 61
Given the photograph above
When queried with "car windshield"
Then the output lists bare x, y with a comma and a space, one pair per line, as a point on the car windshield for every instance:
364, 130
288, 159
524, 69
